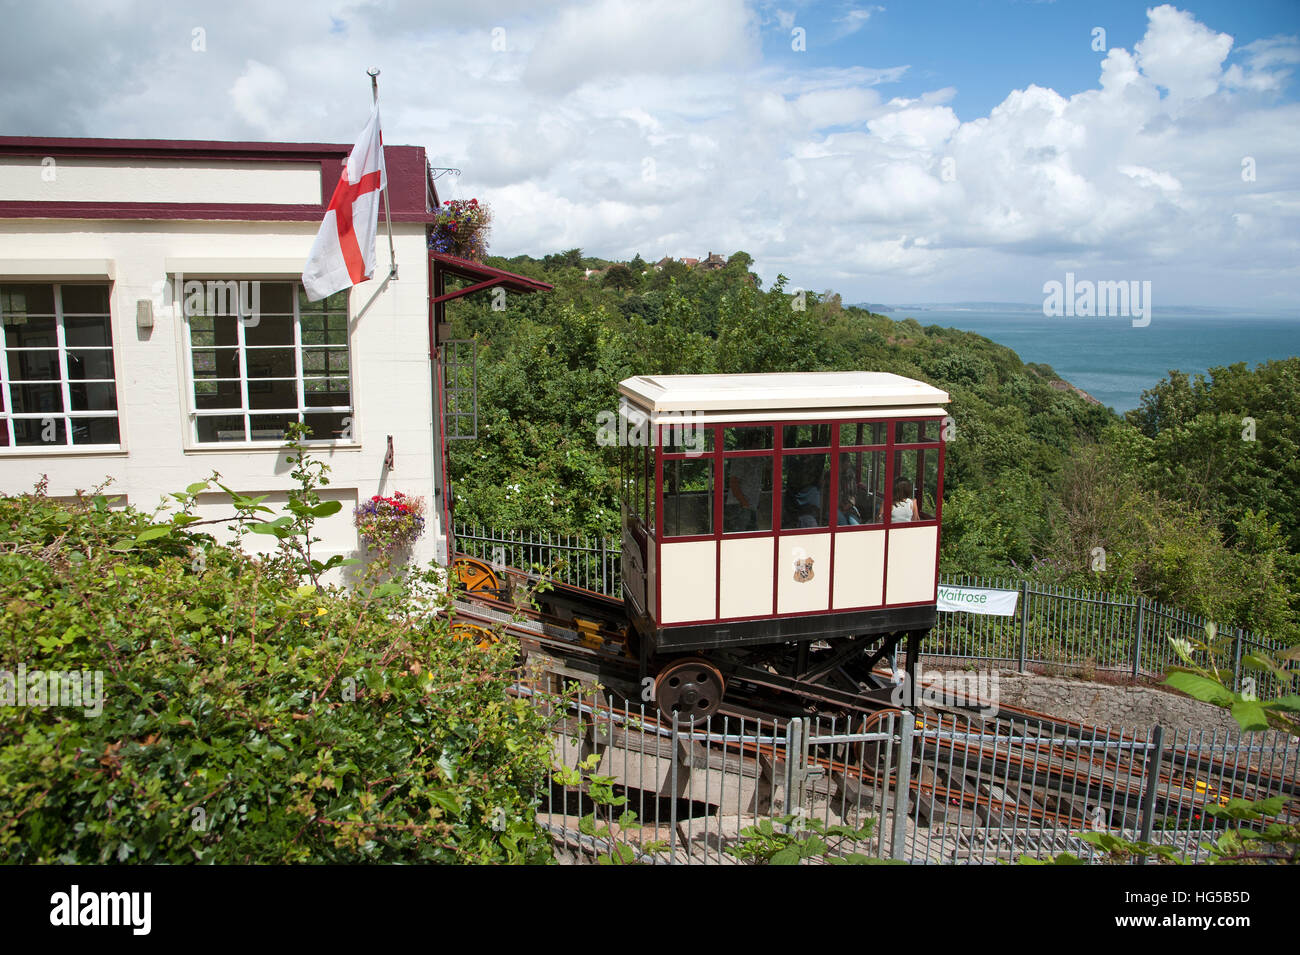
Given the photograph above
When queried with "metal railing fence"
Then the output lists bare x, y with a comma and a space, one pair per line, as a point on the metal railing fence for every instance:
918, 787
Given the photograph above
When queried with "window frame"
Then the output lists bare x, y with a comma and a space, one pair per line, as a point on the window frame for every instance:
193, 414
8, 416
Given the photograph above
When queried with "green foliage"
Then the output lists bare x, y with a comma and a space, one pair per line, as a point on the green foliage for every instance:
247, 716
788, 840
614, 831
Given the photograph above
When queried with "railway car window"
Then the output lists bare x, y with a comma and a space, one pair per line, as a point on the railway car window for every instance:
686, 436
747, 439
919, 468
650, 489
805, 494
859, 434
806, 436
747, 494
861, 488
915, 432
638, 480
688, 497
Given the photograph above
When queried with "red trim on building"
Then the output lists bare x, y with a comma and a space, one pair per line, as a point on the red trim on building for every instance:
412, 194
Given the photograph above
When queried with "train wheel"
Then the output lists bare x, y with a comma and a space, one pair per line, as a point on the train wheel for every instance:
482, 636
689, 689
476, 576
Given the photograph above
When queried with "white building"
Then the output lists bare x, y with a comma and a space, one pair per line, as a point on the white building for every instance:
106, 372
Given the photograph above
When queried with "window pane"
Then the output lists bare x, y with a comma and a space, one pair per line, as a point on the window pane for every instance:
916, 480
269, 330
23, 332
324, 329
221, 428
270, 427
687, 435
96, 396
264, 393
34, 366
273, 298
89, 363
325, 392
85, 299
338, 302
316, 361
861, 490
216, 363
271, 363
207, 331
858, 433
25, 299
94, 431
29, 432
93, 331
330, 426
807, 436
210, 394
805, 496
911, 432
746, 439
33, 399
650, 489
747, 495
688, 497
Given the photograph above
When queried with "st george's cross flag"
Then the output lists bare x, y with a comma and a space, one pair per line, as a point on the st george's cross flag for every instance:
343, 254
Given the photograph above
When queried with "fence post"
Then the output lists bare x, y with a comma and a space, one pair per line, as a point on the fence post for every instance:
1137, 644
1024, 621
1155, 755
1236, 663
903, 786
793, 782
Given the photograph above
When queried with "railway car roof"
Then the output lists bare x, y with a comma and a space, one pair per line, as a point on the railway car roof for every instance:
835, 391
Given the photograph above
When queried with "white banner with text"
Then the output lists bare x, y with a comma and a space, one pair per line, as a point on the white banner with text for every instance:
999, 603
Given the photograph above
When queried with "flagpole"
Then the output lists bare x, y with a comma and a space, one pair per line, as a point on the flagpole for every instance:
388, 214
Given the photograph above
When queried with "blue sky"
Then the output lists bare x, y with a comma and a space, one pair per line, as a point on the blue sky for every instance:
911, 151
985, 48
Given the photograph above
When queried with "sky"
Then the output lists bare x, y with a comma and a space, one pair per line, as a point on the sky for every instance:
901, 151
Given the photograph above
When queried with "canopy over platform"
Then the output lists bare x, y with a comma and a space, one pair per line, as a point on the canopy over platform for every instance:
442, 266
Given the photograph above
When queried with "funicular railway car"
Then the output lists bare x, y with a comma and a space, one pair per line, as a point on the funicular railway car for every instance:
778, 524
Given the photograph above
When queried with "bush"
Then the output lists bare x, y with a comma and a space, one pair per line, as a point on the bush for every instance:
247, 716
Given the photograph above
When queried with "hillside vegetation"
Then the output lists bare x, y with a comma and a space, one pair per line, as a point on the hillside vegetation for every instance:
1037, 475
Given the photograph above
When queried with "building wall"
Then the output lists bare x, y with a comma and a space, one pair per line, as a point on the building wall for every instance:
391, 384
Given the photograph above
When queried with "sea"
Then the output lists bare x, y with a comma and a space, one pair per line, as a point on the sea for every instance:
1111, 359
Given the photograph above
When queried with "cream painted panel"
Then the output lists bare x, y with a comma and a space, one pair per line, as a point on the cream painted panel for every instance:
25, 179
746, 585
688, 579
911, 564
859, 569
812, 595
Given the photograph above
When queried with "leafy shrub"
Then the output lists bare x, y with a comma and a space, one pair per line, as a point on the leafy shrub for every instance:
246, 718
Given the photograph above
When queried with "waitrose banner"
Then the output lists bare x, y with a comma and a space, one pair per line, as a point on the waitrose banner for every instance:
999, 603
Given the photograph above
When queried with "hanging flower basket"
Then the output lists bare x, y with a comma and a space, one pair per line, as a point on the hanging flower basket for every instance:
461, 229
386, 523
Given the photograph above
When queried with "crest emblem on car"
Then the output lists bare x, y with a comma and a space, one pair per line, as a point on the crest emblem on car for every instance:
803, 569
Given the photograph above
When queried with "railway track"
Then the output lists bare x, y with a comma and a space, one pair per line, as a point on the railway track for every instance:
1020, 767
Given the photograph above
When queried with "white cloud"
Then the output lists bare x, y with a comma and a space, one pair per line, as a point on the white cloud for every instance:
655, 127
